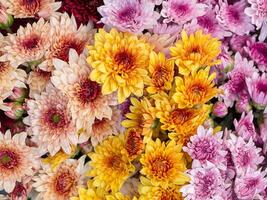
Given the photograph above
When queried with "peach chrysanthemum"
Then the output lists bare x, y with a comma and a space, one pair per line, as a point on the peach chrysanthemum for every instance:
195, 89
161, 73
164, 163
119, 62
17, 160
29, 44
65, 35
50, 121
195, 51
61, 183
86, 101
110, 157
33, 8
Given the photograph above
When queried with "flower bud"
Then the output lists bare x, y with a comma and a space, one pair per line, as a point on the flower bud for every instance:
6, 20
219, 109
16, 110
18, 95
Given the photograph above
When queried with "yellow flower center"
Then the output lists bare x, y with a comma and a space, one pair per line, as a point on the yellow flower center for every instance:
160, 166
180, 116
64, 183
125, 61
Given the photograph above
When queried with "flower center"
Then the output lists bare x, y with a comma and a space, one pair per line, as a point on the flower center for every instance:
127, 14
3, 67
114, 162
134, 142
31, 7
160, 166
180, 9
206, 22
31, 42
198, 89
169, 194
180, 116
234, 15
160, 76
55, 118
125, 61
89, 91
252, 183
262, 86
8, 159
65, 181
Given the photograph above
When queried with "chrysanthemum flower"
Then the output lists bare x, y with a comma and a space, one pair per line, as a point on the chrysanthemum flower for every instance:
118, 196
16, 160
245, 155
258, 13
195, 51
240, 43
257, 88
33, 8
86, 102
196, 89
206, 147
233, 17
65, 35
257, 51
28, 45
111, 158
37, 81
141, 116
129, 15
163, 164
161, 73
120, 61
180, 11
61, 183
148, 191
134, 144
50, 122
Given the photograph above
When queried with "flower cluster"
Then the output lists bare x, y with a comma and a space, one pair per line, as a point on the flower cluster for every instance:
133, 99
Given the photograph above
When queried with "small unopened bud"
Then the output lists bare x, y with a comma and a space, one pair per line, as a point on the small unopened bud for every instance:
219, 109
16, 110
6, 20
18, 94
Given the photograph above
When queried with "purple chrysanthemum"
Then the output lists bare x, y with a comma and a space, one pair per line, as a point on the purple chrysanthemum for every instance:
258, 52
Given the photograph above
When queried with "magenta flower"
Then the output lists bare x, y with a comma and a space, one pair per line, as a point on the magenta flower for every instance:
243, 102
258, 14
257, 87
258, 52
206, 147
250, 185
129, 15
206, 183
245, 127
239, 43
233, 17
180, 11
219, 109
245, 155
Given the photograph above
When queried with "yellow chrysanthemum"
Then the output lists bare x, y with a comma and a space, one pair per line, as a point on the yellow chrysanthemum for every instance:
148, 191
161, 72
142, 116
117, 196
110, 164
120, 62
195, 51
196, 89
164, 164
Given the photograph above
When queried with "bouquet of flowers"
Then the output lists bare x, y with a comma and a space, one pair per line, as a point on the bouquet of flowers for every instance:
133, 99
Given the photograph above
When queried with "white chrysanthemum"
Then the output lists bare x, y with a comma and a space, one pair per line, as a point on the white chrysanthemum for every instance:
32, 8
86, 101
50, 122
29, 44
63, 182
65, 35
16, 160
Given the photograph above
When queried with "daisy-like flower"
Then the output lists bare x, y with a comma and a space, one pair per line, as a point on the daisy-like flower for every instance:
25, 9
257, 88
195, 51
50, 121
258, 13
129, 15
37, 81
134, 144
110, 157
233, 17
164, 164
206, 147
86, 101
120, 61
28, 45
198, 88
17, 160
251, 185
161, 72
205, 183
141, 116
65, 35
63, 182
245, 155
257, 51
148, 191
180, 11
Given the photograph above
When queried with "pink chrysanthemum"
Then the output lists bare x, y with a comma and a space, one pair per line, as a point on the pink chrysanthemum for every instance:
251, 185
257, 87
258, 52
129, 15
245, 155
239, 43
245, 127
206, 183
17, 160
233, 17
180, 11
258, 13
50, 121
206, 147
